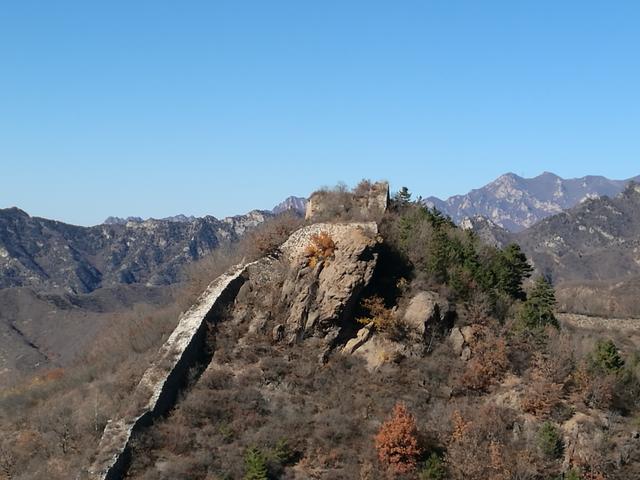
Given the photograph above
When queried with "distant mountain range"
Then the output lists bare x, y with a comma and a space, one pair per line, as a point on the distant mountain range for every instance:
516, 203
61, 281
294, 204
54, 256
124, 221
596, 240
590, 252
58, 280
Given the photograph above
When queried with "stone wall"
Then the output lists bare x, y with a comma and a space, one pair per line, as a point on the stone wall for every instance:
367, 204
157, 391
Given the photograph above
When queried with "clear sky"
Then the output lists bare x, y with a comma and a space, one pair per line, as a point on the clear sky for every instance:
154, 108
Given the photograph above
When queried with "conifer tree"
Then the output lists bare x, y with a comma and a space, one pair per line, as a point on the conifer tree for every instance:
606, 358
511, 269
403, 196
538, 309
255, 465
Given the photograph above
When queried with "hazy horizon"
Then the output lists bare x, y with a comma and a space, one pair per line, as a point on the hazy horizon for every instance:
393, 188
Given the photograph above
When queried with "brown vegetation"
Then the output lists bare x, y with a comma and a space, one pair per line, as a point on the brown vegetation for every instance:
397, 441
382, 318
489, 362
320, 249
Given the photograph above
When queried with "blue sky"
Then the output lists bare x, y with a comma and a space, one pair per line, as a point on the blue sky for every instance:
154, 108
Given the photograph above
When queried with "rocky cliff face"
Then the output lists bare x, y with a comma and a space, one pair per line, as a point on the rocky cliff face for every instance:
302, 297
516, 203
54, 256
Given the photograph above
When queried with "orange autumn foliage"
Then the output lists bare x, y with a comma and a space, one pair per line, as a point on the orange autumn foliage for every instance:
321, 248
397, 441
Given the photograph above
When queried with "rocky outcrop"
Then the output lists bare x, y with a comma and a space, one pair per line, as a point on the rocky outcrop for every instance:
378, 350
424, 307
318, 299
461, 339
584, 435
362, 336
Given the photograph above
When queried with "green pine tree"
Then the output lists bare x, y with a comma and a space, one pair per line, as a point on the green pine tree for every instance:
606, 358
432, 469
511, 268
403, 197
255, 465
538, 309
549, 440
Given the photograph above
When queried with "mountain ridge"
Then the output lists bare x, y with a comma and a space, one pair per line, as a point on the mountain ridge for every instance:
50, 255
591, 252
515, 203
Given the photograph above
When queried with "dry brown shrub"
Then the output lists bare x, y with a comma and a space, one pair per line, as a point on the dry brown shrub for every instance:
594, 390
488, 364
480, 448
542, 393
599, 392
382, 317
541, 397
363, 188
321, 248
478, 307
497, 461
560, 360
460, 426
397, 441
268, 237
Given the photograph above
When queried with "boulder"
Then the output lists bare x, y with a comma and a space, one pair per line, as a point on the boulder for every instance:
466, 353
457, 341
468, 333
423, 308
379, 350
584, 435
363, 335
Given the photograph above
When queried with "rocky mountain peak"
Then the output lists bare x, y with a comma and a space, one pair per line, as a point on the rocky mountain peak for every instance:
298, 205
516, 203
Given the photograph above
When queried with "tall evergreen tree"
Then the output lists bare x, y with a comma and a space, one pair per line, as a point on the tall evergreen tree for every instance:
511, 268
403, 196
538, 309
